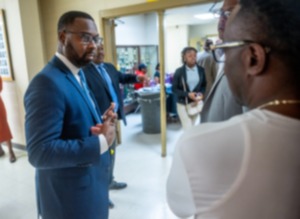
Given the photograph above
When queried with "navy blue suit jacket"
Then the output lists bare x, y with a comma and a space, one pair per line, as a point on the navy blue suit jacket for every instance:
71, 176
100, 89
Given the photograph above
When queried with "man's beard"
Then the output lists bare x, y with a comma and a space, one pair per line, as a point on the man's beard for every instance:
74, 58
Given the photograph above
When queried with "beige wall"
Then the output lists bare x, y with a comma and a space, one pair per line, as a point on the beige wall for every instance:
31, 27
52, 10
26, 53
201, 31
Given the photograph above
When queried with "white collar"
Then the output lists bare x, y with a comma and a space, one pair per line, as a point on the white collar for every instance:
191, 69
69, 64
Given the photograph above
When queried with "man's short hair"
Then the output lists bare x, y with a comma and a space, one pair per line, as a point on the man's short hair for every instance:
142, 66
276, 24
208, 43
69, 17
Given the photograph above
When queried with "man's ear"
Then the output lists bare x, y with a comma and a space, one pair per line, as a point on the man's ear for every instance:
255, 59
62, 37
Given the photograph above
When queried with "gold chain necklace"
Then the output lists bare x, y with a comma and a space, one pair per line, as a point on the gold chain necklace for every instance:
279, 102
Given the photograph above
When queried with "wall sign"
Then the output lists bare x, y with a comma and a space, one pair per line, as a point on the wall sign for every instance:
5, 61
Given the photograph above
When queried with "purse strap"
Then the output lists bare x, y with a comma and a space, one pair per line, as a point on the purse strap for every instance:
184, 88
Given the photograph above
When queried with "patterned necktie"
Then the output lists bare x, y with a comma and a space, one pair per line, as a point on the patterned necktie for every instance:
86, 91
108, 81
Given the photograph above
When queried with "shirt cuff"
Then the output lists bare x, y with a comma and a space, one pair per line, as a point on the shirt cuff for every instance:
103, 144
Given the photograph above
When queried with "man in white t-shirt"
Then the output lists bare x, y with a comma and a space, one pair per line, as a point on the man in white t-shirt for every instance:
248, 167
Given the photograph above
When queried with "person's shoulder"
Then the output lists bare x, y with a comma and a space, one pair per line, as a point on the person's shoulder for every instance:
109, 65
215, 133
180, 70
88, 67
200, 68
47, 77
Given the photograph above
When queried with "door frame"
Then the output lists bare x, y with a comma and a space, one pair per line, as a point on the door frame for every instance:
107, 28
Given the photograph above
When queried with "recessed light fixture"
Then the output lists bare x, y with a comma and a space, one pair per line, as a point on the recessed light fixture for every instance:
205, 16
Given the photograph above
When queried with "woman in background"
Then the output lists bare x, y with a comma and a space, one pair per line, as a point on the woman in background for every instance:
188, 85
5, 134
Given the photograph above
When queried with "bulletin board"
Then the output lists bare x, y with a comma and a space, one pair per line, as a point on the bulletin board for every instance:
5, 58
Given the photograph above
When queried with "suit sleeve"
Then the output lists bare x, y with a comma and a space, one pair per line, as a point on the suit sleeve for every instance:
47, 143
203, 81
123, 78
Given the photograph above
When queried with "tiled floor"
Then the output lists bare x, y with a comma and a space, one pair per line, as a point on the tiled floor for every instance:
139, 163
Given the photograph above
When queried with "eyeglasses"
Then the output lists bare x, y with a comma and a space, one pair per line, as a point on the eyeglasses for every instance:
87, 38
221, 13
218, 50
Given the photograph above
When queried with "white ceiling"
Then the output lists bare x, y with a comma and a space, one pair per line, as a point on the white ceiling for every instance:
185, 15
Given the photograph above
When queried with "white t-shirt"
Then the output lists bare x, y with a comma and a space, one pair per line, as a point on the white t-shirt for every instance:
244, 168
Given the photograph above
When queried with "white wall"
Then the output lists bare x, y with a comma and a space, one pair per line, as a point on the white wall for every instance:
176, 38
132, 31
137, 30
151, 25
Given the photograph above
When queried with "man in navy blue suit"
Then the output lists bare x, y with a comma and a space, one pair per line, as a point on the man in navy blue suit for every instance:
67, 140
104, 79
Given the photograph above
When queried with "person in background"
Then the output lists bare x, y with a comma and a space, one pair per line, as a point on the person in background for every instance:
5, 133
103, 80
67, 138
206, 60
189, 84
219, 104
248, 167
157, 74
142, 71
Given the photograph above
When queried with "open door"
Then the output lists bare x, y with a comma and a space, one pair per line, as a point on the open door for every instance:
108, 32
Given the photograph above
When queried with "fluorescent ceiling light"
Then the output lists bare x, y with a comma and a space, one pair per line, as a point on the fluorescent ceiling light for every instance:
205, 16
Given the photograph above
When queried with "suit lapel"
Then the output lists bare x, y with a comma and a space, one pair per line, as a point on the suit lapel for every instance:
212, 90
102, 79
185, 79
115, 85
198, 86
59, 64
75, 83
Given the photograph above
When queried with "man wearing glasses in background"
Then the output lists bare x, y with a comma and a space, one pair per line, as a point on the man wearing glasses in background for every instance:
248, 166
104, 79
67, 141
219, 104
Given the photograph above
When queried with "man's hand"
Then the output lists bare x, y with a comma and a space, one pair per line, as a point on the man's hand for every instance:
108, 127
109, 113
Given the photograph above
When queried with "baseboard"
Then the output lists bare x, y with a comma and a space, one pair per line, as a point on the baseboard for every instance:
19, 146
